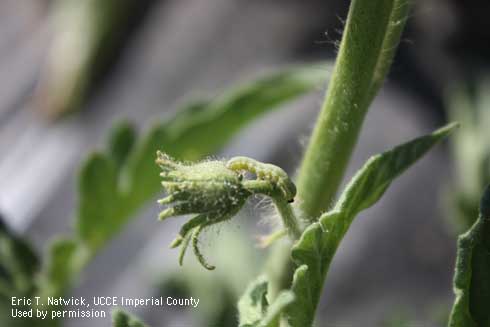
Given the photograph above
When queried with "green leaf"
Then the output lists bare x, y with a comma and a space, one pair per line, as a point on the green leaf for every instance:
253, 304
18, 264
204, 127
315, 250
123, 319
470, 150
65, 259
276, 308
214, 123
59, 270
99, 211
121, 141
254, 309
108, 197
115, 184
472, 276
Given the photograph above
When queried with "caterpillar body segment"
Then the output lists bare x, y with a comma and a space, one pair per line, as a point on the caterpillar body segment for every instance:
267, 172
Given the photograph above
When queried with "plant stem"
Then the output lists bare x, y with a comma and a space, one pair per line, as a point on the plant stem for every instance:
288, 217
372, 32
285, 210
371, 36
398, 18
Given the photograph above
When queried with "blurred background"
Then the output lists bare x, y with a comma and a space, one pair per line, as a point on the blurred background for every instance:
70, 69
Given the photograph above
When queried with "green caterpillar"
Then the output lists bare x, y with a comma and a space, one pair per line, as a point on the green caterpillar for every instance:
267, 172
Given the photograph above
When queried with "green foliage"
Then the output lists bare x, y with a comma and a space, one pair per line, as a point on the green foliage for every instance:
471, 279
121, 141
115, 184
123, 319
254, 303
19, 266
315, 250
470, 151
100, 209
204, 127
65, 260
254, 307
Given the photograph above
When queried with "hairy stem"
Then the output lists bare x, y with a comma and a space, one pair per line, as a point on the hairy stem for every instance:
288, 217
285, 210
371, 35
396, 24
